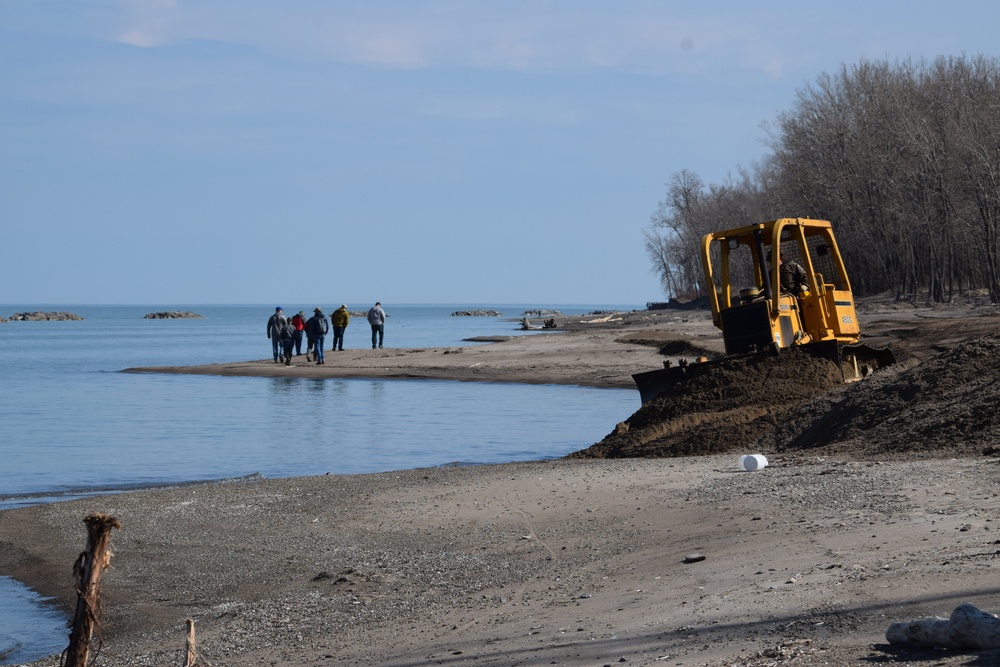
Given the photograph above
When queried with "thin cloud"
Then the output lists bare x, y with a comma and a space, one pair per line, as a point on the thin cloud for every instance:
148, 23
515, 36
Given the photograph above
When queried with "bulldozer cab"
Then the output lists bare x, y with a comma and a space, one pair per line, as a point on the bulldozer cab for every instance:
778, 284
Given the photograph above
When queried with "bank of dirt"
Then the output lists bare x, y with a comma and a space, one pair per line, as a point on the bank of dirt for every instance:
940, 400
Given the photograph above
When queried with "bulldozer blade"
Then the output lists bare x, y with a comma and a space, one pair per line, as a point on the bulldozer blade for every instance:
855, 362
654, 383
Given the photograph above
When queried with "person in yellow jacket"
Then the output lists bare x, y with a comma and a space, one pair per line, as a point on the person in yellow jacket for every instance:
340, 318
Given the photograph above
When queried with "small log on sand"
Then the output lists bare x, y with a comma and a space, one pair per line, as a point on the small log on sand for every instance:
967, 628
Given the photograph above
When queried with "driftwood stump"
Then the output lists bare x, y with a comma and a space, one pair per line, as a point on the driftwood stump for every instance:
966, 628
191, 658
88, 569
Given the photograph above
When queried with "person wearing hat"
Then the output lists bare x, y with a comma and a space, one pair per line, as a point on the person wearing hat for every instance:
299, 322
316, 328
275, 325
339, 319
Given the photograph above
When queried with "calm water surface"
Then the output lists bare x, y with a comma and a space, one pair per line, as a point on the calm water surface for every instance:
74, 424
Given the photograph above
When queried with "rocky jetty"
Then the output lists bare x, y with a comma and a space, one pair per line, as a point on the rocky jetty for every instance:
541, 313
172, 315
39, 316
477, 313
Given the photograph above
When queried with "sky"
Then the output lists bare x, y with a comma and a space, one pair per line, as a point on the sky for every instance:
406, 151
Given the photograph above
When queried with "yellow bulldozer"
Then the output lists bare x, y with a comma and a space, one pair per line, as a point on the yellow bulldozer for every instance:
777, 285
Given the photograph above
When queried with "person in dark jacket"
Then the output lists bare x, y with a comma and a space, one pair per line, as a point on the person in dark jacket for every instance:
274, 326
309, 343
791, 275
288, 341
317, 328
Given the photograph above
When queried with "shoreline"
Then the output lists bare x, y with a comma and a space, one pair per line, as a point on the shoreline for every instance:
67, 495
556, 562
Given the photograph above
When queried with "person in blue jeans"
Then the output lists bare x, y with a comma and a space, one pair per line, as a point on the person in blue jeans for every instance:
317, 328
275, 325
376, 318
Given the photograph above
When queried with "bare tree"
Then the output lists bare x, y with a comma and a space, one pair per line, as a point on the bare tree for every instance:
690, 211
903, 157
672, 237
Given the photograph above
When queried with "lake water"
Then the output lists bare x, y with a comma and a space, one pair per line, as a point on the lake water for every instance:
74, 425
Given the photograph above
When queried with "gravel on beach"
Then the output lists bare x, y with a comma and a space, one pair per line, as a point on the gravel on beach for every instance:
560, 562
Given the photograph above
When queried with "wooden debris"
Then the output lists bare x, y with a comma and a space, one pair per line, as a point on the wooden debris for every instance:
192, 655
88, 570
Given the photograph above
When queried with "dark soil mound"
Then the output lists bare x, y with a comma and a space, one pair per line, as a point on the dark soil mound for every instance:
795, 403
682, 348
726, 409
672, 347
946, 406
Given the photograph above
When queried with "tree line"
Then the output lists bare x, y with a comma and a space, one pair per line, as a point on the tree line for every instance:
902, 157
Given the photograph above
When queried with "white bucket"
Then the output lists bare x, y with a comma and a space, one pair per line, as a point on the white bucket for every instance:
751, 462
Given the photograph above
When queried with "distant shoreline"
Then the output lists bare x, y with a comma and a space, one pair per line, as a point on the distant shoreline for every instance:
602, 353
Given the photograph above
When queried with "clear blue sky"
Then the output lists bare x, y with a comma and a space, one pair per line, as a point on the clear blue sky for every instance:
242, 151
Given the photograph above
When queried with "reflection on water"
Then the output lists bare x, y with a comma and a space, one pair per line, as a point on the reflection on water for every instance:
283, 386
376, 396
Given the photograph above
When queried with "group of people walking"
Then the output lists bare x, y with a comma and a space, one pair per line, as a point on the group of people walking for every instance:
286, 334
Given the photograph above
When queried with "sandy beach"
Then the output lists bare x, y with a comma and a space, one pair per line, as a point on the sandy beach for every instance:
640, 561
596, 351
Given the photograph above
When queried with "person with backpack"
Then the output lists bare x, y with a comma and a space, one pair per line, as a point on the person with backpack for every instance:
317, 328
